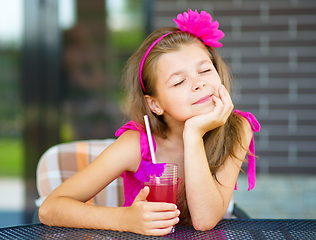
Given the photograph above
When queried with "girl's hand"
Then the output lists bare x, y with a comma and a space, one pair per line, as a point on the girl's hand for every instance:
215, 118
150, 218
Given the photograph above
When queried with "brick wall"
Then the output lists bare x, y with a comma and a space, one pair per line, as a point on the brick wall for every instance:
270, 47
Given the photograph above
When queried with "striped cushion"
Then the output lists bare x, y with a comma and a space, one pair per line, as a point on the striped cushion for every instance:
63, 160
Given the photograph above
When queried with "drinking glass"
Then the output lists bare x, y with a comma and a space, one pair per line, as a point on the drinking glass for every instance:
164, 188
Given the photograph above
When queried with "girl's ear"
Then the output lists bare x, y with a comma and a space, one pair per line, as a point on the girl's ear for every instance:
153, 105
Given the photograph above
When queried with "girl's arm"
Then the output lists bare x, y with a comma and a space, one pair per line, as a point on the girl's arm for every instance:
66, 206
207, 199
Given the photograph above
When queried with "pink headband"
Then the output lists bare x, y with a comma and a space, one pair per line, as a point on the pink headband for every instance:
200, 25
144, 58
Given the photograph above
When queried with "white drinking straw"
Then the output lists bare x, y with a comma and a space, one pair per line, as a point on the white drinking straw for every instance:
151, 145
150, 140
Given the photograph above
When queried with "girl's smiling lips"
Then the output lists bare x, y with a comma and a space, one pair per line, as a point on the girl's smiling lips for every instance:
203, 100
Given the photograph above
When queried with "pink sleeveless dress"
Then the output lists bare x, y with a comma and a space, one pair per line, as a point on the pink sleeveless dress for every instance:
134, 182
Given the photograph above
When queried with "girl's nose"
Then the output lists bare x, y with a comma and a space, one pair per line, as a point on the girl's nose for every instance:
199, 84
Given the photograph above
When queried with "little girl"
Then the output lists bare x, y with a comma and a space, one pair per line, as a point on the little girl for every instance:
179, 81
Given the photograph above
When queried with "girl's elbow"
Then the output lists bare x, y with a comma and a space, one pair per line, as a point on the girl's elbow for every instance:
202, 225
43, 214
205, 222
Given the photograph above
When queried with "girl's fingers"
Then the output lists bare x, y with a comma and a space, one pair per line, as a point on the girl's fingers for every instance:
161, 206
162, 211
224, 95
161, 223
163, 215
164, 224
227, 102
158, 216
218, 106
160, 232
153, 218
213, 119
162, 227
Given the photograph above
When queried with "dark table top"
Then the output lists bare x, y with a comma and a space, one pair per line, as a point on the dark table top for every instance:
225, 229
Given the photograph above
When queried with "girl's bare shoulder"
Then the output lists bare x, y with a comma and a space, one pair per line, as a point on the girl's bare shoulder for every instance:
127, 148
247, 131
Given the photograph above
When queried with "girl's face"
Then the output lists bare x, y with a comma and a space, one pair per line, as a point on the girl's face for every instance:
186, 82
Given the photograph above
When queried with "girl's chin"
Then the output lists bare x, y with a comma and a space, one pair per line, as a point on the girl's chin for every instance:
206, 109
202, 112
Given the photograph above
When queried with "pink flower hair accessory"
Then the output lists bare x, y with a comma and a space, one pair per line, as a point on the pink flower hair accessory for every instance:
200, 25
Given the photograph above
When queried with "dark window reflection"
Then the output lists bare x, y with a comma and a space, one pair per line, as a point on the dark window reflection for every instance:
11, 24
95, 50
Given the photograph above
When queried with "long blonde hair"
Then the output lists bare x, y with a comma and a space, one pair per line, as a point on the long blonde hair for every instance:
219, 143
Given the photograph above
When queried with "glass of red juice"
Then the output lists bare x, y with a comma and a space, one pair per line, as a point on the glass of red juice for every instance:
165, 187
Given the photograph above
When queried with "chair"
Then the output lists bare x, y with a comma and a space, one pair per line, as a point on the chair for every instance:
62, 161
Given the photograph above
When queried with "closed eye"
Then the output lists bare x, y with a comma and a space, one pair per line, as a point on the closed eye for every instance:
179, 83
206, 71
